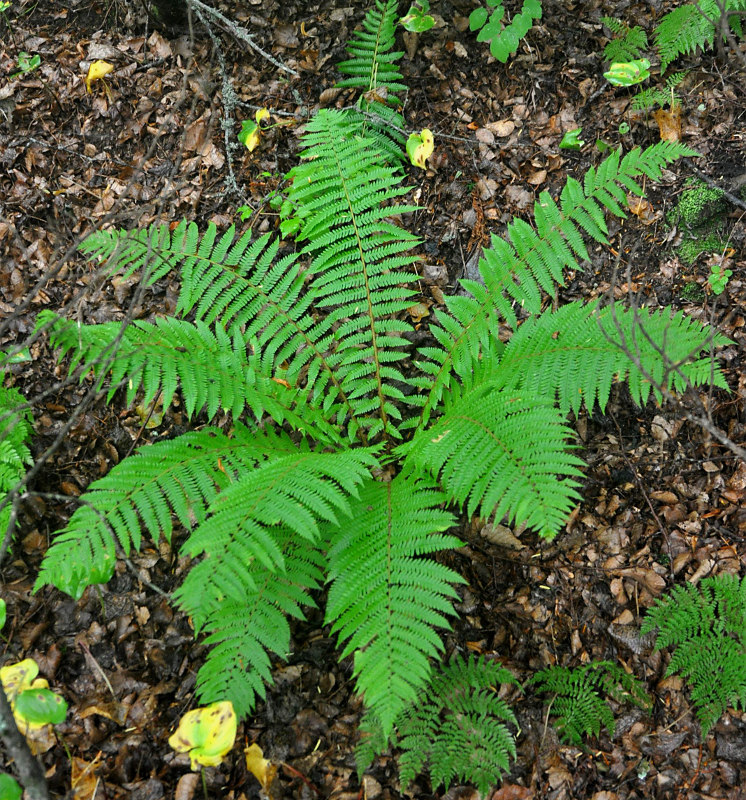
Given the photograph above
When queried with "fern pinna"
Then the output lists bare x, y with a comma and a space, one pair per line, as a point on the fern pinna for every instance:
349, 451
706, 626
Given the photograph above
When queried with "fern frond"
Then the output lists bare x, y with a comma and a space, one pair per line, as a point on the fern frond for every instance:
459, 727
502, 452
517, 268
15, 456
246, 619
373, 62
649, 98
628, 43
685, 29
178, 477
212, 369
386, 597
573, 354
341, 194
578, 702
707, 627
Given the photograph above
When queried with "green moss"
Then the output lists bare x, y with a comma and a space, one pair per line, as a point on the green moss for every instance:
699, 215
693, 292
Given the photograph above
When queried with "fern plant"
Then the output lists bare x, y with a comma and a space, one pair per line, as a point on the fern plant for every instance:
458, 727
578, 697
690, 27
627, 43
657, 96
373, 70
503, 38
15, 456
706, 626
349, 451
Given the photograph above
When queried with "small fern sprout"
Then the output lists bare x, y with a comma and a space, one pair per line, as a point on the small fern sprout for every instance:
578, 702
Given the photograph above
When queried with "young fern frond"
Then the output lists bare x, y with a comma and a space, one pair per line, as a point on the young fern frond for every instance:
516, 269
655, 96
503, 453
458, 728
15, 456
341, 192
573, 354
578, 703
628, 43
374, 71
706, 626
385, 599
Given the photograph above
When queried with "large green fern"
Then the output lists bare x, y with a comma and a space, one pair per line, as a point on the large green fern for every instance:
346, 446
706, 626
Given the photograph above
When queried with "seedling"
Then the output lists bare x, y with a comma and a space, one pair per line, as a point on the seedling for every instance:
718, 278
251, 130
26, 63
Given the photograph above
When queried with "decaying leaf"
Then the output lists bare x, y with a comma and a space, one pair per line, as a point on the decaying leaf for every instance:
642, 209
420, 147
97, 71
260, 767
207, 734
251, 130
669, 123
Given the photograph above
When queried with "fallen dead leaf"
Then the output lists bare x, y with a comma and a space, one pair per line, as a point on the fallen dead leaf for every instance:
669, 123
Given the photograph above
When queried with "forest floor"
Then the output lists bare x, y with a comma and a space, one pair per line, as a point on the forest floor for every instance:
663, 502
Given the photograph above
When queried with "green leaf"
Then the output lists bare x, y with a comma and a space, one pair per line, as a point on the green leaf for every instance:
9, 787
417, 20
41, 707
571, 140
477, 18
3, 613
628, 73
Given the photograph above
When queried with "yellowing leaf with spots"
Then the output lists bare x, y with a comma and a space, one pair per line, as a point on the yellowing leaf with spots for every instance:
420, 147
16, 678
207, 734
251, 131
96, 72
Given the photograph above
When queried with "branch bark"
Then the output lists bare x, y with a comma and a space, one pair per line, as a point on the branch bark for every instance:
29, 769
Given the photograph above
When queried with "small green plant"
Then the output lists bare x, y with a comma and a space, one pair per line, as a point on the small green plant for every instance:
627, 43
578, 697
706, 627
457, 728
718, 278
699, 215
15, 456
571, 140
503, 38
693, 292
25, 63
656, 96
10, 789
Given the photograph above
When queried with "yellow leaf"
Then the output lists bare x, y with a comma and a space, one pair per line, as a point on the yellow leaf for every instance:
261, 115
96, 71
16, 678
420, 147
249, 134
207, 734
262, 769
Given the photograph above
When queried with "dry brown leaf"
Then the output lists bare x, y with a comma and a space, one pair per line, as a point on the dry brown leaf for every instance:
502, 128
418, 311
84, 779
642, 209
669, 123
